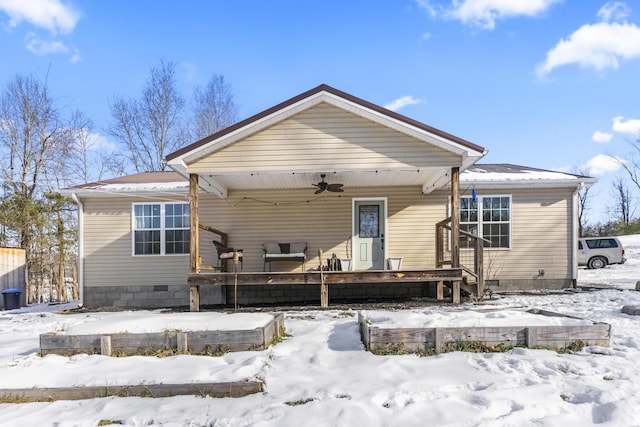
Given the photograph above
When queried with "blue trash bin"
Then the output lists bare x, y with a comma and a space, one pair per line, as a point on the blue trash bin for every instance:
11, 298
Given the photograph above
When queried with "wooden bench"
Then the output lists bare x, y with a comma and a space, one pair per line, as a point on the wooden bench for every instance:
277, 251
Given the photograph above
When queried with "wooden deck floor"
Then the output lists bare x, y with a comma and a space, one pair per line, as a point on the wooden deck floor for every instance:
324, 280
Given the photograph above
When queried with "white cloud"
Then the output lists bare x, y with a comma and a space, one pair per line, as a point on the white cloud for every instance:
630, 126
98, 142
402, 102
50, 47
615, 11
45, 47
599, 46
601, 164
75, 58
49, 14
601, 137
485, 13
433, 10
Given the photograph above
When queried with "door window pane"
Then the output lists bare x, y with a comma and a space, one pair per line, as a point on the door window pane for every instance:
369, 217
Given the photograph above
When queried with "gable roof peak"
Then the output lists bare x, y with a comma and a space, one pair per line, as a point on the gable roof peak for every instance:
340, 96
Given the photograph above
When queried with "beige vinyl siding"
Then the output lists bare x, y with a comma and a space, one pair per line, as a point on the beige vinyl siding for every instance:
324, 137
325, 222
541, 232
541, 236
108, 249
412, 219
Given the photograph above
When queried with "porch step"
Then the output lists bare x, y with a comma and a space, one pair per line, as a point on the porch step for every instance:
468, 287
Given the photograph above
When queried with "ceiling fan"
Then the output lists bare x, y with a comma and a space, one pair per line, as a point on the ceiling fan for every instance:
322, 186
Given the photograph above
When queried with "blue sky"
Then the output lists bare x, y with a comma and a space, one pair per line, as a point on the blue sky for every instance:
544, 83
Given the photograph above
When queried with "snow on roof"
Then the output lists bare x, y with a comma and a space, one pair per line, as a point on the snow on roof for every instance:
512, 173
146, 182
489, 174
138, 187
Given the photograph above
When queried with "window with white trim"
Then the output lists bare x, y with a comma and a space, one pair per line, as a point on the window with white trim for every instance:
488, 217
161, 228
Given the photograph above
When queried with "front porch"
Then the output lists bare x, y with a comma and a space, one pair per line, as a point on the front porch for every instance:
319, 287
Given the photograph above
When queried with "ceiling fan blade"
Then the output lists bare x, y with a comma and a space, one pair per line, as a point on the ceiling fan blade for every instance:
318, 191
337, 188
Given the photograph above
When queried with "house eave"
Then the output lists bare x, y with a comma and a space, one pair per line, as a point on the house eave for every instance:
507, 184
114, 193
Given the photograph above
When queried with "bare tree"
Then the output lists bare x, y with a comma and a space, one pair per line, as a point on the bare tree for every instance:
30, 136
632, 165
214, 109
152, 126
33, 142
622, 210
584, 199
87, 158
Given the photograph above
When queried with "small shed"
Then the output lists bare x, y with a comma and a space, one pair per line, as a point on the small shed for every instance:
13, 272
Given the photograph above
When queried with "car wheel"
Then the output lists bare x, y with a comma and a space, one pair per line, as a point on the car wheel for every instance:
597, 262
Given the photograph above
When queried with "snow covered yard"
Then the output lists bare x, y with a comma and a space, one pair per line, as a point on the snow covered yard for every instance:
322, 375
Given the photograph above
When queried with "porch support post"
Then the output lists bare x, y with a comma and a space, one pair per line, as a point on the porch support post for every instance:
455, 228
194, 222
194, 250
455, 217
324, 289
456, 292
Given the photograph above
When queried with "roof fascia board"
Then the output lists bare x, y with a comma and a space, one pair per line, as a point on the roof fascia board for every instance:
432, 183
180, 167
86, 193
207, 183
555, 183
213, 186
468, 161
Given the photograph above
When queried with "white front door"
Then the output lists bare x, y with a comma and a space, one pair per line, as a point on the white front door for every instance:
369, 218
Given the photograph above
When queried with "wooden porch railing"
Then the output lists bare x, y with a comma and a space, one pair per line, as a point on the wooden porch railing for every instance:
223, 240
476, 269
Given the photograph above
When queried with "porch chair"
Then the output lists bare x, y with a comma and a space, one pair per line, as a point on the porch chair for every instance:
224, 253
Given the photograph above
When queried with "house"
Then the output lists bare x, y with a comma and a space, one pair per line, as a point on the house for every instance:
410, 192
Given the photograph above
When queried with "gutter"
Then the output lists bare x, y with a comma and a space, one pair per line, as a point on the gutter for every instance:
74, 196
533, 183
574, 235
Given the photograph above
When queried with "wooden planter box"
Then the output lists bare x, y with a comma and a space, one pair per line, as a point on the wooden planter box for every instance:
192, 342
217, 390
378, 339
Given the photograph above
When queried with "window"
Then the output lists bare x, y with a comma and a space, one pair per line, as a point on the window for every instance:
161, 228
601, 243
488, 217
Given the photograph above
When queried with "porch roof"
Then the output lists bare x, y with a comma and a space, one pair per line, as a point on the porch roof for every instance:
514, 176
480, 175
260, 167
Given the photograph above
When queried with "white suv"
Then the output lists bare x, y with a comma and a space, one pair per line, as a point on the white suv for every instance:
598, 252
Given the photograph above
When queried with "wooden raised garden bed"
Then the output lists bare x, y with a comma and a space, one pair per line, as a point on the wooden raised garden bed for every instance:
538, 334
51, 394
185, 342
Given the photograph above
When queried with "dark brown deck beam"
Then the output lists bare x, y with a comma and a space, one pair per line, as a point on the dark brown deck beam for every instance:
195, 280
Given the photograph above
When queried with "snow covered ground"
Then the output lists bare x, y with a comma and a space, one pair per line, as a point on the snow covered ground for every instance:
322, 376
